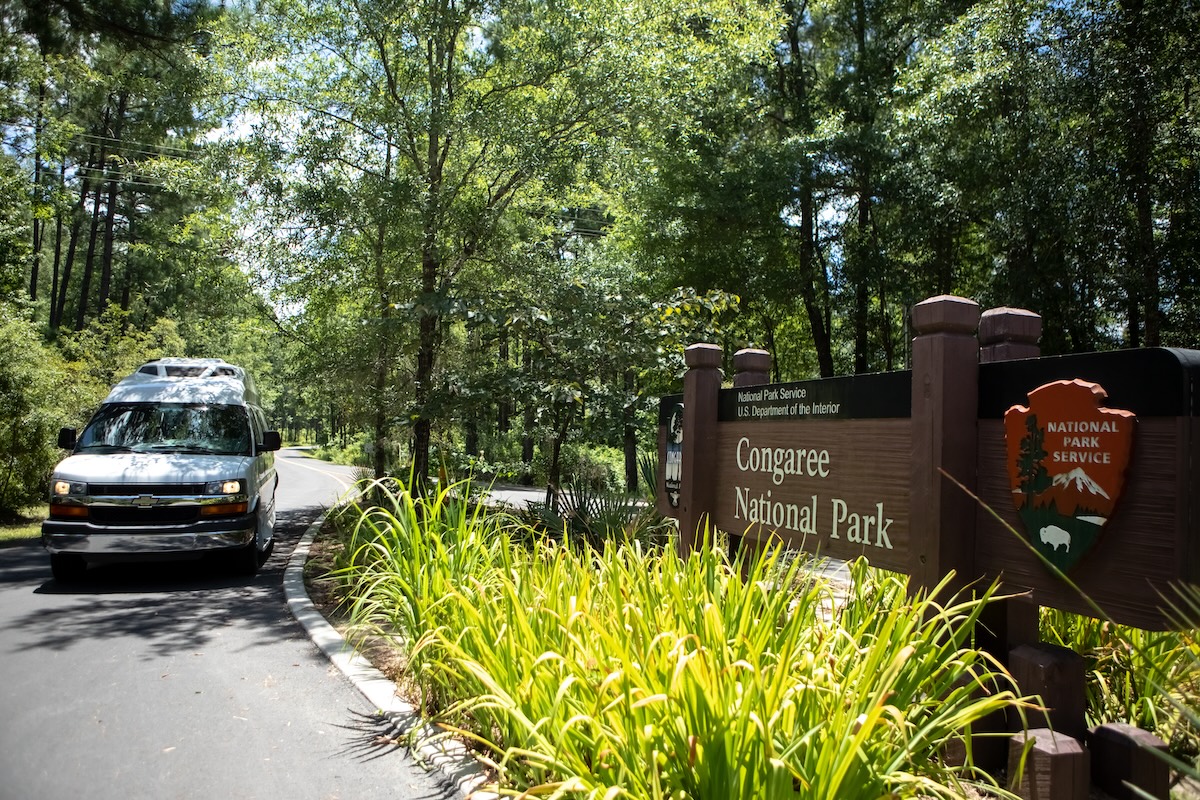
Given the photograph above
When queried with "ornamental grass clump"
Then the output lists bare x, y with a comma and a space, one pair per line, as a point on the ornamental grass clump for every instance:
1144, 678
633, 673
405, 555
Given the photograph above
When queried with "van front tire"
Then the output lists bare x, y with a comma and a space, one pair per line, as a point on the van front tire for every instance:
67, 567
244, 561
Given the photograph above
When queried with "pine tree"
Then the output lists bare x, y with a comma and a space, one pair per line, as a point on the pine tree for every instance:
1034, 478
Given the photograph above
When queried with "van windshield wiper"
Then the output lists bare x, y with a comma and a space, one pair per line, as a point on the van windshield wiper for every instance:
191, 449
106, 448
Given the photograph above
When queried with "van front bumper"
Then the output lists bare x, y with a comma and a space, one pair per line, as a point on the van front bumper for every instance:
88, 539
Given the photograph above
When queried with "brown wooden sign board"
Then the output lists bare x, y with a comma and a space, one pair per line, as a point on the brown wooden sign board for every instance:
821, 464
834, 467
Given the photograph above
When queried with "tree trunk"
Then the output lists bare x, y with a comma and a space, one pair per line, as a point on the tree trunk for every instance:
628, 411
862, 269
769, 325
427, 340
110, 217
85, 288
862, 306
131, 238
37, 225
1139, 142
471, 433
813, 288
529, 418
85, 284
440, 56
554, 476
383, 348
58, 235
885, 333
85, 188
504, 403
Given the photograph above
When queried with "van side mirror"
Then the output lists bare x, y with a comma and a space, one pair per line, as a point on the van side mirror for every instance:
66, 438
271, 441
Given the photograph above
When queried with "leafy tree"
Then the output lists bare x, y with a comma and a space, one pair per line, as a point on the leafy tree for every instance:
104, 101
577, 341
779, 189
1047, 141
14, 241
427, 124
108, 349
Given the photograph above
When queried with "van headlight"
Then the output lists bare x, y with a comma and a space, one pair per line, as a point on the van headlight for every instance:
223, 487
68, 489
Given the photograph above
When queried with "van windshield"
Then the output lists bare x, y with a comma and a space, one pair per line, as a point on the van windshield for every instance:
168, 428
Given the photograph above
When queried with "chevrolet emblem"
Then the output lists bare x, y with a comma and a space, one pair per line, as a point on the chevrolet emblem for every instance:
145, 501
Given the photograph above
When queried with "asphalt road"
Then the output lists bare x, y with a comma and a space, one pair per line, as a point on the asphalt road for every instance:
181, 681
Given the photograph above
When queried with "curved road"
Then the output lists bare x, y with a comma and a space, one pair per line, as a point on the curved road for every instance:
180, 681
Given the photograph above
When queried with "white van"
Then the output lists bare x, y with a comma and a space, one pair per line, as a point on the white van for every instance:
176, 463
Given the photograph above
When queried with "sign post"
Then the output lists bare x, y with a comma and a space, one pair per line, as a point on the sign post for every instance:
701, 385
945, 398
867, 465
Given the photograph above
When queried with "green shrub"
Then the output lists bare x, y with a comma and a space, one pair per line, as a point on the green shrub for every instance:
109, 348
353, 453
483, 469
597, 519
31, 395
591, 466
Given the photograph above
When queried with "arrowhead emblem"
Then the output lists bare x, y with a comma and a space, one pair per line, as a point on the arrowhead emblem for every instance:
1067, 457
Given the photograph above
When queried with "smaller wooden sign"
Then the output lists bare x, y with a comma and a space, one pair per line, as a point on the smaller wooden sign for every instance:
673, 472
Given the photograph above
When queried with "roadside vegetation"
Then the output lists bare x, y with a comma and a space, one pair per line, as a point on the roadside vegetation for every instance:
575, 663
577, 669
22, 526
1150, 679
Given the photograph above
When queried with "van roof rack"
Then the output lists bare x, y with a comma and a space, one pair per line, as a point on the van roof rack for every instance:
191, 368
174, 369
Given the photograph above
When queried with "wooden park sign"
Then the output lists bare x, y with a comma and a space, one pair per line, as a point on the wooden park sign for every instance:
1088, 459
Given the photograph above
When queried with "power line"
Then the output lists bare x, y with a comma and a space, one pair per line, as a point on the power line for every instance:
129, 145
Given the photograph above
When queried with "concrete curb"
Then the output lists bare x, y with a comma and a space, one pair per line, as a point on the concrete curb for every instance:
447, 757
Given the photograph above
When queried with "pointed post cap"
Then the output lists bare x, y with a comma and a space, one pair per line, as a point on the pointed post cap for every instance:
945, 314
703, 356
1009, 325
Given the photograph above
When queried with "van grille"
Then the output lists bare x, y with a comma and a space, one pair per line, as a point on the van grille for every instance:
139, 489
127, 515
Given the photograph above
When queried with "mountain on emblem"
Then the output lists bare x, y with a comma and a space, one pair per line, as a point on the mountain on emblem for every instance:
1066, 464
1080, 480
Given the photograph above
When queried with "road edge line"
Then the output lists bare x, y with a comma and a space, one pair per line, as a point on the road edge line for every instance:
447, 757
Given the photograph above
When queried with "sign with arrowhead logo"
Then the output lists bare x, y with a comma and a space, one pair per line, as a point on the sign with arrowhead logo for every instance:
673, 475
1066, 465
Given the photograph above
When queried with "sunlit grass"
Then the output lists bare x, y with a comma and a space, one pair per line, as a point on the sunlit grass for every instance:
26, 526
624, 672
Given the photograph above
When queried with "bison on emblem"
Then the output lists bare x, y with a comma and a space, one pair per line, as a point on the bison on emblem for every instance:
1054, 536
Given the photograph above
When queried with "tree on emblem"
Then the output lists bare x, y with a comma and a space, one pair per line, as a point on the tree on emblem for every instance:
1033, 476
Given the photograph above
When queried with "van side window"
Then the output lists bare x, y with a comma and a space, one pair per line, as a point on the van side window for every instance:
256, 425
